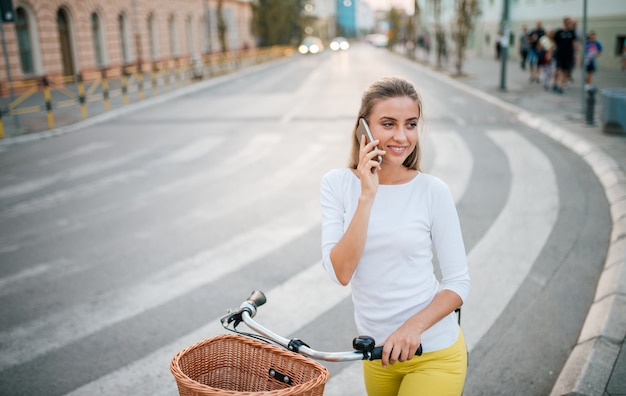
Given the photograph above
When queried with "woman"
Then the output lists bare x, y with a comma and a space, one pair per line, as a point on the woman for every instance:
380, 222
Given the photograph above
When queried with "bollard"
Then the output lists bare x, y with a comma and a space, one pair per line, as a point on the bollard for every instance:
591, 104
81, 95
167, 78
123, 79
1, 125
155, 82
48, 99
105, 91
140, 84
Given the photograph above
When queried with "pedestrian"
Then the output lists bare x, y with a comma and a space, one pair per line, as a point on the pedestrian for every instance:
498, 45
564, 40
624, 55
547, 62
533, 55
579, 50
524, 47
380, 223
593, 49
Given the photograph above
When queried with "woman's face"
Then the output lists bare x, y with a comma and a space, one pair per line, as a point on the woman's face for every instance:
394, 122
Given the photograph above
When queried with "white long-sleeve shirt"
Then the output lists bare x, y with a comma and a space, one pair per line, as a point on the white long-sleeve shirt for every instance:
395, 277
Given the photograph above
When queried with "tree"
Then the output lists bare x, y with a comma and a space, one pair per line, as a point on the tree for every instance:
414, 28
440, 34
277, 22
222, 29
395, 21
466, 13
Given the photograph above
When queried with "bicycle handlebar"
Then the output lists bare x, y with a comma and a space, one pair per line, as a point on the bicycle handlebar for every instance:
364, 346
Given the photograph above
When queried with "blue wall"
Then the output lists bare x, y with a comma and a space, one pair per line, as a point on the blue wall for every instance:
346, 18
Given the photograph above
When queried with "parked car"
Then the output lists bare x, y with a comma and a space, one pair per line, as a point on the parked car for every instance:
311, 45
339, 44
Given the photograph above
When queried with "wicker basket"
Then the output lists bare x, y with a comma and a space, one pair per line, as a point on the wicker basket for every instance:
232, 364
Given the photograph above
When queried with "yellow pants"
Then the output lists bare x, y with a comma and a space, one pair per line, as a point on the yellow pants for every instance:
440, 373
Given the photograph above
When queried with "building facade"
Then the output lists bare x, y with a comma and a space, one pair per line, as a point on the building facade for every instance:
67, 37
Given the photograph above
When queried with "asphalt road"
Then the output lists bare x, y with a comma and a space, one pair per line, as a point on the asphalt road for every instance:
122, 243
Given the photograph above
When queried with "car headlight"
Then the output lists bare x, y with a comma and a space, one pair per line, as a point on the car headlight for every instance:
314, 49
334, 46
303, 49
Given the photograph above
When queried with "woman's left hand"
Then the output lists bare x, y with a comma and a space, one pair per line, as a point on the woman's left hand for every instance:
401, 345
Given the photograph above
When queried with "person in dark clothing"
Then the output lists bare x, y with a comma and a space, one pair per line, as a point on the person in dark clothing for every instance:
565, 41
524, 47
534, 51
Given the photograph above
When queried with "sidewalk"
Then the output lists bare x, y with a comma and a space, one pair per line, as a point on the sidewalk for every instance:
597, 364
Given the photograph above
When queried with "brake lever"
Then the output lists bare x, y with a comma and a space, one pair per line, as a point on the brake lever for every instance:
231, 317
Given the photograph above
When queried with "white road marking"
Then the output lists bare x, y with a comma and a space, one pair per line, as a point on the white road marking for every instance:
502, 259
453, 162
86, 149
194, 150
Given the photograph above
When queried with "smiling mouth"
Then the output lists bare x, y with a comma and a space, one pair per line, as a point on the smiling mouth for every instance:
397, 149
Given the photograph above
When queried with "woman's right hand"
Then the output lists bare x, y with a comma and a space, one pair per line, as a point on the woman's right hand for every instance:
368, 167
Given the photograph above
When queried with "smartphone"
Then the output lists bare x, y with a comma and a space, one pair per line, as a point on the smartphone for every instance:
364, 129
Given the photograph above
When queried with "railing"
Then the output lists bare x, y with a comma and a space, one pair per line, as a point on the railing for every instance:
38, 104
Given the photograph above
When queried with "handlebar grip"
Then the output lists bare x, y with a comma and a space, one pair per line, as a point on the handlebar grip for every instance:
257, 298
377, 352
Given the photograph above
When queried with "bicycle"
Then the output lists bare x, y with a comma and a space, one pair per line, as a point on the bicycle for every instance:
260, 363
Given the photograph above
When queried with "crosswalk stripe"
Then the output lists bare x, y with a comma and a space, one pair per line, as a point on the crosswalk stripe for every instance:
501, 260
453, 162
194, 150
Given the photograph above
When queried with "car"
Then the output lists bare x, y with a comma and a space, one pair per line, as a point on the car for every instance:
339, 44
377, 39
311, 45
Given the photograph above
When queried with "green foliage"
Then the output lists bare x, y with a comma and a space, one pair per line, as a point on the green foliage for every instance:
466, 13
221, 26
395, 17
277, 22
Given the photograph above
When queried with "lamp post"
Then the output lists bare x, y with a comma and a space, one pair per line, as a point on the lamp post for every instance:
504, 44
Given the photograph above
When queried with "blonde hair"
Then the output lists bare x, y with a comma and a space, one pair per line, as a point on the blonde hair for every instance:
386, 88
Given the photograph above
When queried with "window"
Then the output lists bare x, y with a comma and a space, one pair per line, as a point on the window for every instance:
171, 24
190, 46
123, 31
65, 41
23, 41
152, 37
96, 34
